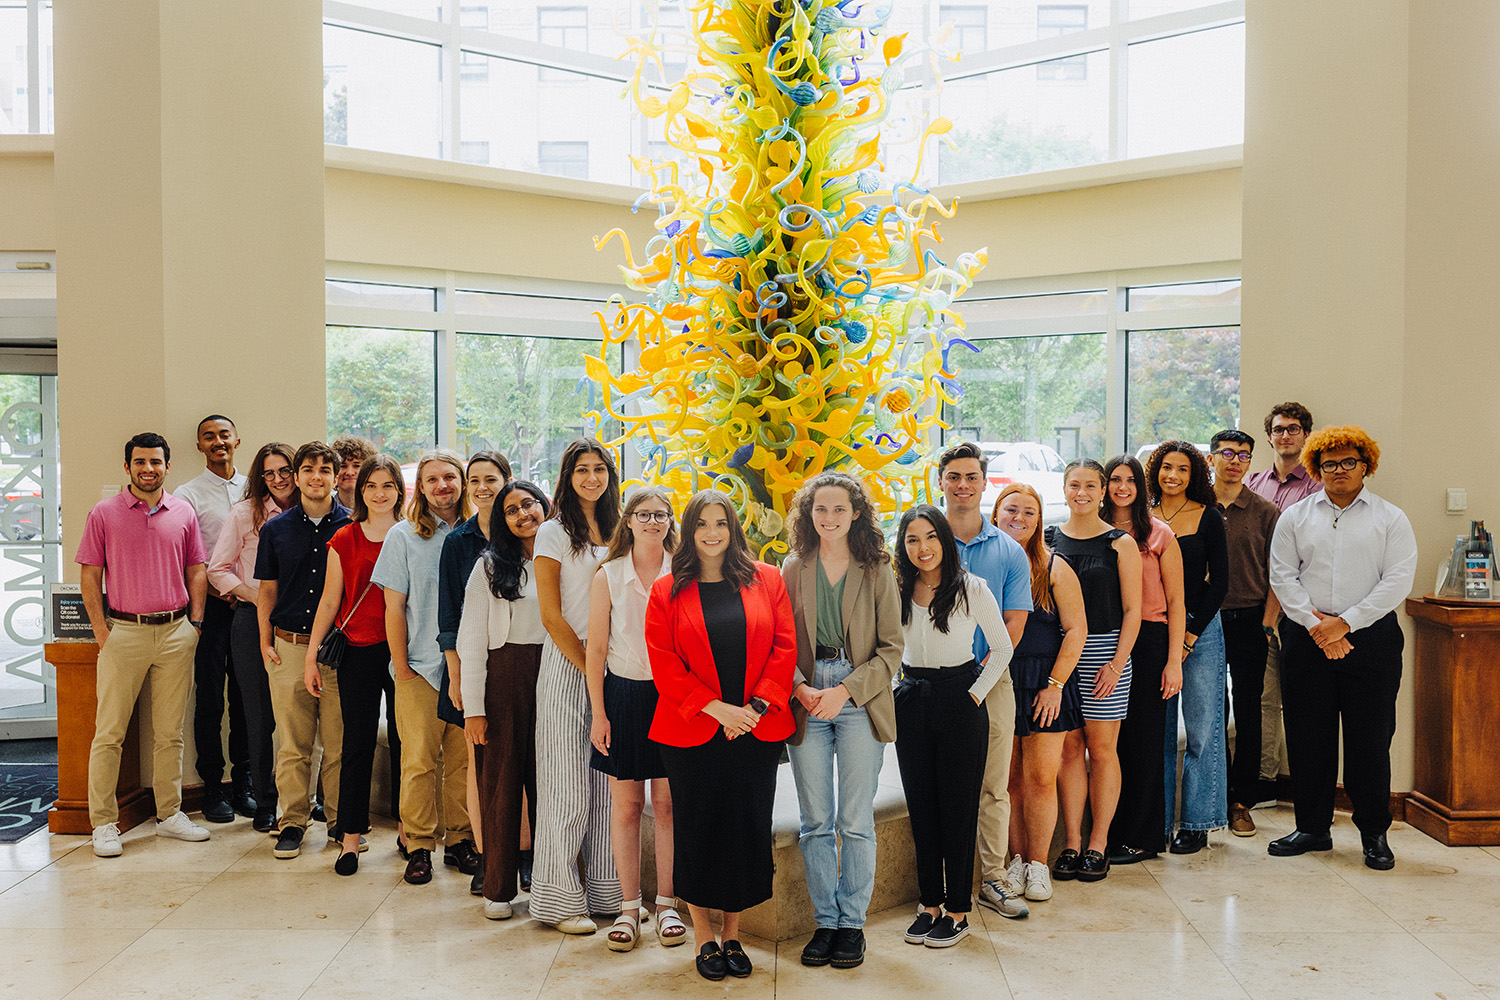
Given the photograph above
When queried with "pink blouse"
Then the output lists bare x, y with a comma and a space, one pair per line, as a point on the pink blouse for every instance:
1153, 589
233, 559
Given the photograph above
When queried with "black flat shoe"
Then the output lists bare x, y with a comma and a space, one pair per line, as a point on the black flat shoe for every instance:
819, 950
736, 961
476, 884
1125, 855
848, 948
710, 962
1378, 853
347, 864
1065, 868
525, 871
1189, 841
1297, 842
1093, 868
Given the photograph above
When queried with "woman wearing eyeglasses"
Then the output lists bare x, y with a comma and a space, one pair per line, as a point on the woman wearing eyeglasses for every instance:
1182, 495
623, 699
270, 488
499, 648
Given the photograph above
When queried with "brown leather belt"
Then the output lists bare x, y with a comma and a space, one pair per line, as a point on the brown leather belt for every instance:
295, 638
160, 618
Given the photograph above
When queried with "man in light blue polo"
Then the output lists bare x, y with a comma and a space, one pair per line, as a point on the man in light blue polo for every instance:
999, 560
407, 570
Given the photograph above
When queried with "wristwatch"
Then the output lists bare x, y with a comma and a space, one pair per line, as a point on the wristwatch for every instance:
196, 625
760, 705
1270, 629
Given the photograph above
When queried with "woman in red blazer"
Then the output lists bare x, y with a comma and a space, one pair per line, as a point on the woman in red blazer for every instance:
723, 650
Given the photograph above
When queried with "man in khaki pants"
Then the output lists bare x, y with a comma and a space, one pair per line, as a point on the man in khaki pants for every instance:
144, 546
290, 564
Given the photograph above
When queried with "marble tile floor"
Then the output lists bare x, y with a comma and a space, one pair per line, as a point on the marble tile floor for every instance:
226, 920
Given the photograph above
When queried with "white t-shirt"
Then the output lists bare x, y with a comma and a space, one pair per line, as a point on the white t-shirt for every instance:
628, 596
577, 572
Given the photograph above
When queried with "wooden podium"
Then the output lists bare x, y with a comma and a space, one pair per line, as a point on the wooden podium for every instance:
1457, 691
77, 704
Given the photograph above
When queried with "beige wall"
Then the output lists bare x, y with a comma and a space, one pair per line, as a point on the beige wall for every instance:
29, 218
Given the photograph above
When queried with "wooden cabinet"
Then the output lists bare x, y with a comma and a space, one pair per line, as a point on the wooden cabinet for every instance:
77, 705
1457, 693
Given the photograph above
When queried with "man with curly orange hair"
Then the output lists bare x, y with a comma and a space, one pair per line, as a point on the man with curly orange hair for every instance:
1342, 561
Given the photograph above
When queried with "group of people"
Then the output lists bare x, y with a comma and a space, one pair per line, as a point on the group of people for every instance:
549, 662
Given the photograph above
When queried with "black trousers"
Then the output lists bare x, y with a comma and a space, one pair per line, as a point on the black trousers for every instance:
392, 741
1245, 645
1360, 691
1139, 816
212, 673
255, 701
361, 680
941, 740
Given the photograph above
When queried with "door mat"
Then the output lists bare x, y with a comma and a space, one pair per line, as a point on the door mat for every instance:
27, 791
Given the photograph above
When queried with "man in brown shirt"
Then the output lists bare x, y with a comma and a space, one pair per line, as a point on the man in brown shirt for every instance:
1248, 614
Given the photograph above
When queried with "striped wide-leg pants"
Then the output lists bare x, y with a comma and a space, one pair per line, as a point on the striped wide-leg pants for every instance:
572, 807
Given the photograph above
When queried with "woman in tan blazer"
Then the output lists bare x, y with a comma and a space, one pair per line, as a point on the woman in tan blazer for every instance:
848, 619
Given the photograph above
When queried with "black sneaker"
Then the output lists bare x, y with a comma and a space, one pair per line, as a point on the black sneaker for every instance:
216, 808
1065, 868
920, 928
817, 952
288, 843
848, 948
947, 932
462, 856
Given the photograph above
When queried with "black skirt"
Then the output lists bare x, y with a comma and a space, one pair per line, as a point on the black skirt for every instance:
1029, 676
633, 756
722, 795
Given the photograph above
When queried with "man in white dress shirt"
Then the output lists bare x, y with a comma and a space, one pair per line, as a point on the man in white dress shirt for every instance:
211, 494
1342, 561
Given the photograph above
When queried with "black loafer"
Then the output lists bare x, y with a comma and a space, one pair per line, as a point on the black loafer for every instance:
819, 950
1093, 868
1297, 842
1125, 855
1189, 841
710, 962
476, 884
216, 808
1378, 853
525, 870
848, 948
736, 962
1065, 868
347, 864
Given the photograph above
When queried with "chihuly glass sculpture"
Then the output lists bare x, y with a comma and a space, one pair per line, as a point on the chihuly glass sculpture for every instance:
794, 319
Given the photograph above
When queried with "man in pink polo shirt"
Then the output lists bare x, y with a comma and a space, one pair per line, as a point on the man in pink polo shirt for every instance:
144, 548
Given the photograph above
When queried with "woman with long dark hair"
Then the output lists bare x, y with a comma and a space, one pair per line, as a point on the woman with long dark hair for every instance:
270, 488
848, 621
1180, 488
499, 648
723, 654
353, 602
572, 810
942, 725
1156, 660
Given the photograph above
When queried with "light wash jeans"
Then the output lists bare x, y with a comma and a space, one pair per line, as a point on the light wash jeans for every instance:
1204, 676
840, 892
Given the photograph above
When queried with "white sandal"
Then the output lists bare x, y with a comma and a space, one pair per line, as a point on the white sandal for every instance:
670, 929
627, 924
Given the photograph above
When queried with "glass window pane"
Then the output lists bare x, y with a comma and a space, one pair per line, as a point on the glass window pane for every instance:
1034, 306
1182, 385
526, 397
1190, 296
15, 112
369, 293
1020, 120
969, 24
432, 10
1033, 403
382, 93
1150, 8
382, 385
1187, 92
582, 25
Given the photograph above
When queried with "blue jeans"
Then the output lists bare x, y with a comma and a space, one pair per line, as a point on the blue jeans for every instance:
840, 892
1204, 676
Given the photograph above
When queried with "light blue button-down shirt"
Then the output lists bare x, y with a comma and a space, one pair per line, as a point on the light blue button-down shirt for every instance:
408, 564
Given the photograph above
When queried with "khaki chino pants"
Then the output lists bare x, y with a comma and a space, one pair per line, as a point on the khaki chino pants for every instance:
428, 742
994, 796
301, 721
132, 655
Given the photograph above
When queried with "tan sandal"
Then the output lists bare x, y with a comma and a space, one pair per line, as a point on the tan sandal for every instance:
670, 929
626, 928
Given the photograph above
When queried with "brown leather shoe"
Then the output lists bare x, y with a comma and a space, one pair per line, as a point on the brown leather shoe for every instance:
1240, 823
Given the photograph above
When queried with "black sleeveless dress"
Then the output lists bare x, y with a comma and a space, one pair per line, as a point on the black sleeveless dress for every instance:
1030, 666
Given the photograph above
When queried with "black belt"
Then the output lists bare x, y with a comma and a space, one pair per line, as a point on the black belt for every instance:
1235, 614
160, 618
822, 652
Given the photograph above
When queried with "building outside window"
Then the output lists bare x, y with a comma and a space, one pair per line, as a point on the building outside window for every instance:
1055, 20
473, 67
563, 159
565, 27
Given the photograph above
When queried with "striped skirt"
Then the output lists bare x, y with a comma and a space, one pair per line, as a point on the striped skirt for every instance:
1098, 650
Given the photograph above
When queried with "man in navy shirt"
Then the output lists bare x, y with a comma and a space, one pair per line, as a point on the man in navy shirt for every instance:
290, 565
1000, 562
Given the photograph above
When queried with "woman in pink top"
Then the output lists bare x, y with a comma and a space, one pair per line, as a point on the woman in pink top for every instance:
270, 488
1138, 830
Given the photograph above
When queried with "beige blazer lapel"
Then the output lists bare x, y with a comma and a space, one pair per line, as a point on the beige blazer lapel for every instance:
854, 582
808, 583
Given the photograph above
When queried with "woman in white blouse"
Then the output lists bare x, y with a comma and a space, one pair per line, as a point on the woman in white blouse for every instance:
499, 650
623, 698
942, 726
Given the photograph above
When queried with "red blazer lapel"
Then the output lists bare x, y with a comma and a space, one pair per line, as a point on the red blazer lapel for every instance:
691, 603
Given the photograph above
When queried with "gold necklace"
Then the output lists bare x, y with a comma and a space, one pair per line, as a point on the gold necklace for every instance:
1180, 509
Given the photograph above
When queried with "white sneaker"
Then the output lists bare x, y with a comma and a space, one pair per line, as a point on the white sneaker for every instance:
576, 925
107, 841
1038, 881
497, 909
178, 827
998, 896
1016, 874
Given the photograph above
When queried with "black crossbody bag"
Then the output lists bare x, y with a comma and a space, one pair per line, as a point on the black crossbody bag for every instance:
331, 650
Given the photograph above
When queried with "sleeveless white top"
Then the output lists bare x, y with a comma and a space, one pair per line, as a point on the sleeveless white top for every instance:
628, 596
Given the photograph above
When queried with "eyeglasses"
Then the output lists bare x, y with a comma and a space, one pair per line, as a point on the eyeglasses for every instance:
1229, 455
652, 516
524, 506
1348, 465
1291, 431
271, 474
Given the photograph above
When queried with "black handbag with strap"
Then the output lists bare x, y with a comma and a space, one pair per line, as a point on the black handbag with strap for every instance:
331, 650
